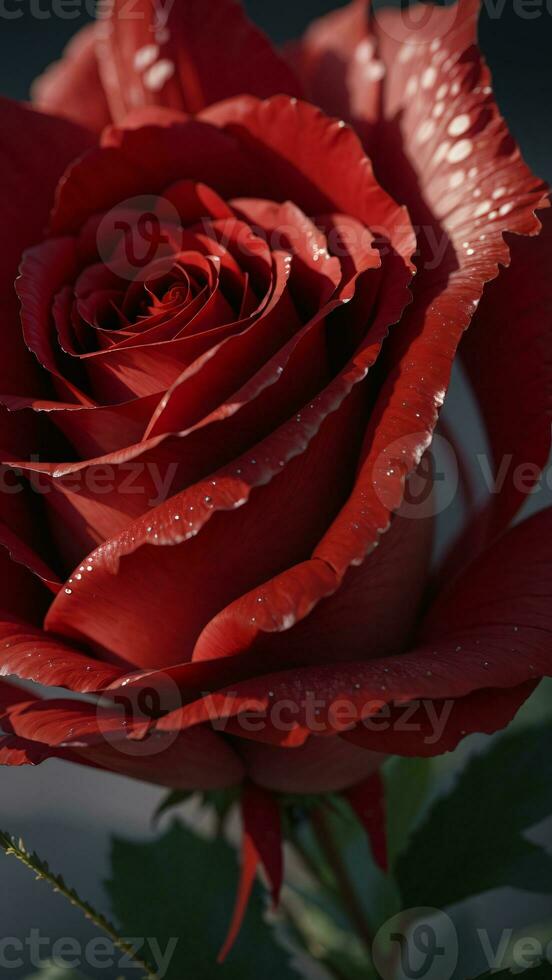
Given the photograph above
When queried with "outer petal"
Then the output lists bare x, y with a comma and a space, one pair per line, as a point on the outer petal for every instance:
19, 752
370, 615
36, 149
72, 87
32, 655
321, 765
101, 736
165, 554
186, 55
447, 154
508, 354
491, 631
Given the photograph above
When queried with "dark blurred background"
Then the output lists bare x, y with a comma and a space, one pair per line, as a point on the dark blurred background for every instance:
68, 813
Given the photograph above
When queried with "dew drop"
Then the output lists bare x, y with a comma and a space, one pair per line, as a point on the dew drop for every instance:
158, 75
426, 131
482, 209
365, 51
457, 178
429, 77
145, 57
459, 125
459, 151
375, 71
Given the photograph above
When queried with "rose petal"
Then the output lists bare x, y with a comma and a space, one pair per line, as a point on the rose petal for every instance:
32, 655
508, 354
97, 736
491, 630
167, 57
321, 765
36, 148
71, 87
427, 167
371, 614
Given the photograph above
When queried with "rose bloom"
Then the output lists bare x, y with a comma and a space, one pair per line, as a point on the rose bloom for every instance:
242, 280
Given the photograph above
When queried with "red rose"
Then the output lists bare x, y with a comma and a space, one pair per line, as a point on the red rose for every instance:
206, 427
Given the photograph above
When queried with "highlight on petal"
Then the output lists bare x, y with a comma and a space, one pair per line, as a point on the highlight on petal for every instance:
32, 655
166, 55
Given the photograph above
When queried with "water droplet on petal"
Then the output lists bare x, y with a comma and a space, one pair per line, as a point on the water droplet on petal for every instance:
158, 75
459, 125
459, 151
429, 77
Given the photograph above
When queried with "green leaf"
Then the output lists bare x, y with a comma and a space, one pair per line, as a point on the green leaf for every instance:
183, 887
407, 786
473, 839
221, 801
175, 798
